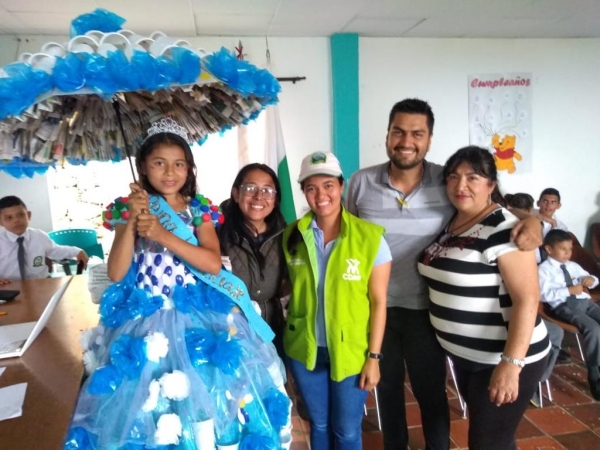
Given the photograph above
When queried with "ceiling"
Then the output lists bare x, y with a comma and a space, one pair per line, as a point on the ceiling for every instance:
378, 18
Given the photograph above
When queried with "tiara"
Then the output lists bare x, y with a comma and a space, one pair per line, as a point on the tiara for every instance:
167, 125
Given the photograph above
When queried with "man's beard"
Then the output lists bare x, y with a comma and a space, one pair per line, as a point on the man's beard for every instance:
405, 165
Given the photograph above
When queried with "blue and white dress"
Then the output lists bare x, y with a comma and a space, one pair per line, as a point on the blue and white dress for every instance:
174, 363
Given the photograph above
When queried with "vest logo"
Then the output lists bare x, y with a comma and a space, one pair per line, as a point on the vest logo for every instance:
352, 272
297, 262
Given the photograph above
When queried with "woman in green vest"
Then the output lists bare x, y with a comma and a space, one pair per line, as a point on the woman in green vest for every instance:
339, 268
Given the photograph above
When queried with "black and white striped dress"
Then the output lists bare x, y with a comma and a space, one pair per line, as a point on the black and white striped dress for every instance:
469, 304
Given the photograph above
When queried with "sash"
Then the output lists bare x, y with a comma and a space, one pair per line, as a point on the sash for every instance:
225, 282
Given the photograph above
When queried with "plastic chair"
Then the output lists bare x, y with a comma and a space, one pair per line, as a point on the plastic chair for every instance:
544, 314
84, 238
376, 408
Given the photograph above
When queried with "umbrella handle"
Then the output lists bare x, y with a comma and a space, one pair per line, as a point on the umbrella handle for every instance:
127, 152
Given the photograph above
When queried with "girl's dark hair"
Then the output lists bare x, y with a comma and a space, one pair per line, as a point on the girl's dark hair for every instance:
236, 227
520, 200
483, 164
189, 189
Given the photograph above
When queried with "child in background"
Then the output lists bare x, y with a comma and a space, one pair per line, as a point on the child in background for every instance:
180, 357
562, 284
36, 245
548, 203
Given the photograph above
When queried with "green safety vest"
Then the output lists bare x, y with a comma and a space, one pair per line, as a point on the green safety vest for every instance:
347, 305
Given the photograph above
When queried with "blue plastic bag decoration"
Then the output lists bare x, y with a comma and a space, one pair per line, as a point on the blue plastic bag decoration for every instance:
80, 439
97, 74
266, 85
145, 66
237, 74
19, 168
200, 344
67, 74
188, 63
277, 406
125, 78
105, 380
217, 301
122, 302
99, 20
258, 442
21, 88
128, 355
227, 354
168, 71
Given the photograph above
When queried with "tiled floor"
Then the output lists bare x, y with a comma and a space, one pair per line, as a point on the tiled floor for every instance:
571, 421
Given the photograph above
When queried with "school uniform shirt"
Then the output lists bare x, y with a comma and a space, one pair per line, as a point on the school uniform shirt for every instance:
470, 306
38, 246
560, 225
553, 284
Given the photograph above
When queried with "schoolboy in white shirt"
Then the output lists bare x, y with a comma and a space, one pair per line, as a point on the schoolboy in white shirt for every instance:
23, 250
548, 204
562, 284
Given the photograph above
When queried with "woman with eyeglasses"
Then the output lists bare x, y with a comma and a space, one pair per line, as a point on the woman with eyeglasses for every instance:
251, 239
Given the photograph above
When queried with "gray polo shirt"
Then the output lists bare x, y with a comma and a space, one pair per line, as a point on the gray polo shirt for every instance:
409, 229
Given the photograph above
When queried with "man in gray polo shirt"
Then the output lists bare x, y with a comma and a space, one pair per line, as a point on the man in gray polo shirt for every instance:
407, 196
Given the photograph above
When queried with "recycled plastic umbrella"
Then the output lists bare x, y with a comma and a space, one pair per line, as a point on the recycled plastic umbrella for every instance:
89, 98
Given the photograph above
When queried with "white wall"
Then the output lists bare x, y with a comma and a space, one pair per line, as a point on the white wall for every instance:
305, 107
566, 107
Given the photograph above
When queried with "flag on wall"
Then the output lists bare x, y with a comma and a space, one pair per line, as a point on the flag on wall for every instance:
276, 159
500, 119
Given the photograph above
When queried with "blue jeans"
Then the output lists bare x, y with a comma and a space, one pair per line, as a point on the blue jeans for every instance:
335, 407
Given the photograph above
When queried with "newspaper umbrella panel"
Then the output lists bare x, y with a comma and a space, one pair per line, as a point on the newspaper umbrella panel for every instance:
58, 104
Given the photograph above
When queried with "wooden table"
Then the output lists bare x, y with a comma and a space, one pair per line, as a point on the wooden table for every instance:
52, 366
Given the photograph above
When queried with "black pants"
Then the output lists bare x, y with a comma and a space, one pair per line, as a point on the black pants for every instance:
409, 338
585, 315
493, 427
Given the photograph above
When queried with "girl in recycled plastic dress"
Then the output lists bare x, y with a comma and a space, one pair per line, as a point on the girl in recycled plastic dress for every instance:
180, 360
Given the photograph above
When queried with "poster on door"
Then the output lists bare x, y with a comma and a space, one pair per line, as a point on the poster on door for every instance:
500, 119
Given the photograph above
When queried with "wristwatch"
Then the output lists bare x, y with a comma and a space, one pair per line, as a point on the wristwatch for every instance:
516, 362
375, 355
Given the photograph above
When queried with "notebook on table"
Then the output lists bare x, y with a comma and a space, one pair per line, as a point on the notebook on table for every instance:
17, 338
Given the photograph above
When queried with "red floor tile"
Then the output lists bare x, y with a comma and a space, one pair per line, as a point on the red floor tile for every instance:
565, 393
571, 421
372, 441
459, 431
416, 440
455, 410
554, 420
413, 415
527, 430
574, 374
586, 440
588, 414
539, 443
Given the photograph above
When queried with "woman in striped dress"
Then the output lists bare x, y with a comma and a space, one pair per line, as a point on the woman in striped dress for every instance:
484, 297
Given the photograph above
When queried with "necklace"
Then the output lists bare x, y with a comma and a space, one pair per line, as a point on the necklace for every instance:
456, 229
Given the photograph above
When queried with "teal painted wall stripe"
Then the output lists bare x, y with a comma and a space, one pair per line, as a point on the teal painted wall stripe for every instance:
344, 77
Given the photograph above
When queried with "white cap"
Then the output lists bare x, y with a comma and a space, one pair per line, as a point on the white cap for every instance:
319, 163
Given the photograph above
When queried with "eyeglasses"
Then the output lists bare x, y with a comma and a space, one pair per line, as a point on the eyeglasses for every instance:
250, 190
